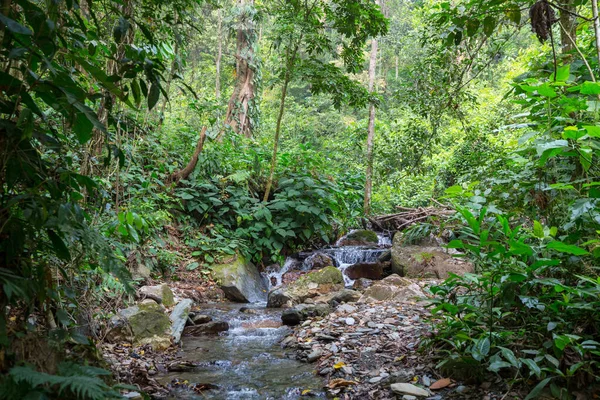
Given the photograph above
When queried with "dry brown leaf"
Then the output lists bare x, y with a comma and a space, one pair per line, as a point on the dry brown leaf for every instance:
334, 383
442, 383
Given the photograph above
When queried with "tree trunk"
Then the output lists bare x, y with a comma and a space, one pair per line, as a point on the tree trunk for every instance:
569, 22
242, 103
596, 27
96, 144
277, 131
371, 130
290, 61
184, 173
219, 55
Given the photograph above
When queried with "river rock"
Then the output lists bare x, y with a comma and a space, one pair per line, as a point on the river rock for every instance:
409, 389
210, 328
145, 323
198, 319
429, 261
313, 284
362, 284
179, 317
319, 261
335, 298
393, 289
359, 237
291, 317
373, 271
240, 280
162, 294
385, 256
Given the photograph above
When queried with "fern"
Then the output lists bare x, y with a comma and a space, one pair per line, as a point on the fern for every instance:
73, 381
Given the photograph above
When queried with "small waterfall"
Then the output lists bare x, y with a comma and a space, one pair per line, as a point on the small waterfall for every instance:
344, 257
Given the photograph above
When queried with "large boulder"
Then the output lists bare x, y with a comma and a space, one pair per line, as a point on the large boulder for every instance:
373, 271
335, 298
318, 261
307, 286
359, 237
392, 289
162, 294
431, 261
240, 280
145, 323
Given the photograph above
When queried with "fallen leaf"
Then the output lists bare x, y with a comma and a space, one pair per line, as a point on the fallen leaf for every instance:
442, 383
339, 365
305, 392
334, 383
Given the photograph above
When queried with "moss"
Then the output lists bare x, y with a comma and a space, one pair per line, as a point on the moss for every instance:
424, 256
323, 276
149, 321
360, 237
167, 296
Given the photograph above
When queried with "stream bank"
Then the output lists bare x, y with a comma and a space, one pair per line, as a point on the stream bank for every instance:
355, 332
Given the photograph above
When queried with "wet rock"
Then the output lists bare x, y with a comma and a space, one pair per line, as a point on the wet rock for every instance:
319, 261
392, 289
385, 256
409, 389
162, 294
240, 280
262, 324
247, 310
362, 283
359, 237
198, 319
313, 284
291, 317
373, 271
209, 328
179, 318
430, 261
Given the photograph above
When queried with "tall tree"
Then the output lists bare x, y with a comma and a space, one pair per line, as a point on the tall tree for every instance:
306, 40
371, 129
242, 111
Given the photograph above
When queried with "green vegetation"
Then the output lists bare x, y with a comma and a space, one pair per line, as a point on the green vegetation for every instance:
164, 135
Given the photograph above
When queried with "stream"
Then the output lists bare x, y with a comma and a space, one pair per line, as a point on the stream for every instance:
247, 362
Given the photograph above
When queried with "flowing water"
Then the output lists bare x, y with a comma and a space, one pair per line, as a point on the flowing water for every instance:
247, 362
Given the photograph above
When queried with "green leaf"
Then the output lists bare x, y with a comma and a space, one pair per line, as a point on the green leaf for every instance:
481, 348
537, 390
59, 247
153, 95
562, 73
567, 248
510, 356
498, 365
546, 90
533, 367
538, 230
591, 88
489, 24
14, 26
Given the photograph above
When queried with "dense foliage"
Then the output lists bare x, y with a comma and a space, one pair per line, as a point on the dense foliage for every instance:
103, 156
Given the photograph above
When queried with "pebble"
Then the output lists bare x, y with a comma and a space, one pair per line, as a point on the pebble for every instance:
326, 371
376, 379
350, 321
408, 397
314, 355
410, 389
461, 389
426, 381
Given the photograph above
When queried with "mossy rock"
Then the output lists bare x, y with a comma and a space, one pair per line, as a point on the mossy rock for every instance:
313, 284
240, 280
359, 237
149, 320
